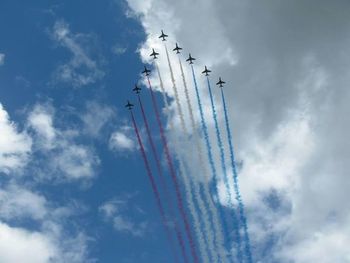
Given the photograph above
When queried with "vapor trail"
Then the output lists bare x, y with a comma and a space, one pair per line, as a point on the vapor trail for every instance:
187, 181
210, 154
208, 239
224, 170
153, 183
218, 239
242, 216
173, 176
163, 181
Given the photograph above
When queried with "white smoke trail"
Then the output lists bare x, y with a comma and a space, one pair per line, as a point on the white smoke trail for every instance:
187, 184
219, 239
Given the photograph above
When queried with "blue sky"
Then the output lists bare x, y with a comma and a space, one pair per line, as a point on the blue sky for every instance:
33, 56
73, 187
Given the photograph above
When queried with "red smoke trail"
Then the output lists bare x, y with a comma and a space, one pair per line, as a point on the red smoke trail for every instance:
163, 182
153, 183
173, 176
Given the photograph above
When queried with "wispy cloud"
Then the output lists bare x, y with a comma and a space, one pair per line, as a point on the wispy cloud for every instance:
96, 117
2, 59
64, 156
118, 49
121, 140
81, 69
15, 146
121, 213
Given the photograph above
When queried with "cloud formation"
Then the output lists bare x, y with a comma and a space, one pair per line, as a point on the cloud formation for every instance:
15, 146
287, 81
81, 69
2, 59
66, 159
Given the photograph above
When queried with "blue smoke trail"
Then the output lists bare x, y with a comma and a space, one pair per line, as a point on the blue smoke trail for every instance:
226, 182
209, 152
212, 213
236, 186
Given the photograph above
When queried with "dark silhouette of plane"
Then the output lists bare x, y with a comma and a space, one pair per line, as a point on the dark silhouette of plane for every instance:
220, 82
154, 54
163, 36
190, 59
177, 49
129, 105
146, 71
136, 89
206, 71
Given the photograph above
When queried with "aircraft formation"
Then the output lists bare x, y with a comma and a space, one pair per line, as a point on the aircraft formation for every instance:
198, 228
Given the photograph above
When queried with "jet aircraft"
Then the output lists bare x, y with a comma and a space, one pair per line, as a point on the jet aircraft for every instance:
163, 36
136, 89
129, 105
177, 49
154, 54
190, 59
206, 71
220, 83
146, 71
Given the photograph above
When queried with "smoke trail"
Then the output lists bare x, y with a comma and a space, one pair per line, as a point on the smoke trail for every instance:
236, 185
224, 170
162, 180
188, 186
152, 181
173, 176
188, 182
210, 155
213, 215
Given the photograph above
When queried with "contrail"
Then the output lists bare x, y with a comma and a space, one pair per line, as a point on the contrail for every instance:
153, 183
210, 155
173, 176
236, 185
187, 181
163, 181
212, 210
224, 170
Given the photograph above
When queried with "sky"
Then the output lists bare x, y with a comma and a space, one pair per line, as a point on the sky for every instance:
73, 186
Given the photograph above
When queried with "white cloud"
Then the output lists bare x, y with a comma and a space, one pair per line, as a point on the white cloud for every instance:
287, 89
17, 202
41, 120
120, 213
96, 117
81, 69
15, 146
121, 141
118, 49
2, 59
20, 245
63, 154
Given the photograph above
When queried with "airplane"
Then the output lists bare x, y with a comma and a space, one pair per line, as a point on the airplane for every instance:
163, 36
177, 49
136, 89
220, 82
206, 71
190, 59
129, 105
146, 71
154, 54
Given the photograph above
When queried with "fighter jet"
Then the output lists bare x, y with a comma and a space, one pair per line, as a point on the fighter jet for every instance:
146, 71
154, 54
190, 59
206, 71
129, 105
220, 82
177, 49
163, 36
136, 89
